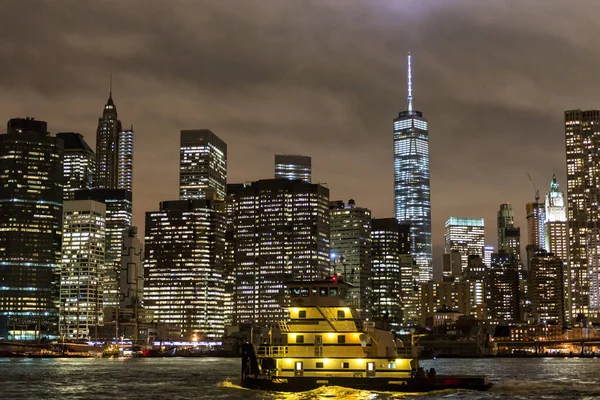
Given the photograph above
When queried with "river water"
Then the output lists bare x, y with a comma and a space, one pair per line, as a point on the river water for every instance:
218, 378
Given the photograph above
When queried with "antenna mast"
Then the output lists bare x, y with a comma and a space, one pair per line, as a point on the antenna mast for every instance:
410, 106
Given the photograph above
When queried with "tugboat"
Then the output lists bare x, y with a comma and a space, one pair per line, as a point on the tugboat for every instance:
328, 345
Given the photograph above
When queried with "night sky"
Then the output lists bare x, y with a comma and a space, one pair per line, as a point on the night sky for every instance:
318, 78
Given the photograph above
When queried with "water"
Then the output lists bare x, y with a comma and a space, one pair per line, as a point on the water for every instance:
217, 378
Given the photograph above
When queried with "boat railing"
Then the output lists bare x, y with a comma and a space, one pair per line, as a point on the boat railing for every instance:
284, 326
272, 351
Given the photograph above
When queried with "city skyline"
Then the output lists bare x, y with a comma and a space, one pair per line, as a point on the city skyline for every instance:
521, 108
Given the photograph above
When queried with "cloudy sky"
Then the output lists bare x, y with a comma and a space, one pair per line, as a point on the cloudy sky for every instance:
320, 78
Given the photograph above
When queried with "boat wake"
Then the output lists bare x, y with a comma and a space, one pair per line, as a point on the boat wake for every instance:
572, 387
231, 385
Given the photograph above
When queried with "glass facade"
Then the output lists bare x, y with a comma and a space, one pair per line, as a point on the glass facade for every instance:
184, 249
351, 251
114, 151
412, 203
465, 235
293, 167
119, 208
83, 253
281, 232
79, 164
202, 165
31, 183
582, 136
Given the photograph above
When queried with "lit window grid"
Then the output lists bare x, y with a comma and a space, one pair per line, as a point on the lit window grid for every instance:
83, 253
412, 188
184, 264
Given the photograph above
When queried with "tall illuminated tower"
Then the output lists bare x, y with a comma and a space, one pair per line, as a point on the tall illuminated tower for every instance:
582, 136
556, 237
30, 229
412, 204
202, 165
114, 150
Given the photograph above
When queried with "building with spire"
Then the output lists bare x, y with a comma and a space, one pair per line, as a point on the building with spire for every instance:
412, 203
556, 236
114, 151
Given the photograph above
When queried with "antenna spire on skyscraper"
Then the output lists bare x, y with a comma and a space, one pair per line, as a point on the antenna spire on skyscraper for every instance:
110, 85
410, 106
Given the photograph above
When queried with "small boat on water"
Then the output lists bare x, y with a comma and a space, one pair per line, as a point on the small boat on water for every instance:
328, 345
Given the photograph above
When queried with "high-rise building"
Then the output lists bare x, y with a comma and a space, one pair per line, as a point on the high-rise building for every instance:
412, 202
445, 297
546, 288
392, 276
31, 182
125, 170
202, 165
185, 246
465, 235
556, 237
506, 219
114, 151
487, 255
290, 166
536, 218
582, 135
451, 266
281, 233
83, 252
350, 242
119, 207
503, 292
79, 164
132, 271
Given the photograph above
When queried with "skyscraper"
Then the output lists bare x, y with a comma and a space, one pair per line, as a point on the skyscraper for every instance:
350, 242
114, 151
202, 165
546, 287
503, 295
391, 285
82, 264
31, 182
281, 233
465, 235
487, 255
556, 237
506, 219
79, 164
119, 207
132, 271
582, 135
412, 203
293, 167
536, 218
185, 246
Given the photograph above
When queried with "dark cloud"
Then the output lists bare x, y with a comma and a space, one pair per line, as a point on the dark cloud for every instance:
321, 78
